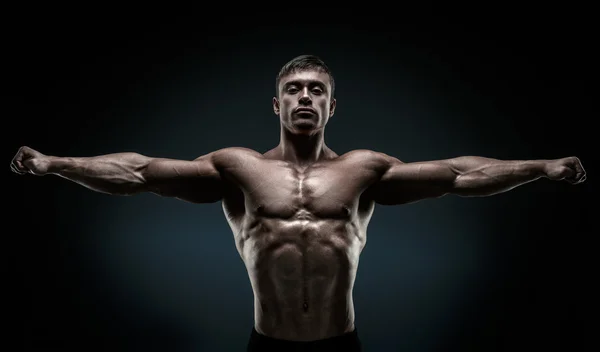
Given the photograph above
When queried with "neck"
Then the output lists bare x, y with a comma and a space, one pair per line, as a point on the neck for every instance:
302, 149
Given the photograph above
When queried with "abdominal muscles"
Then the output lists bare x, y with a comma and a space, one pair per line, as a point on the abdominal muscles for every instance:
302, 278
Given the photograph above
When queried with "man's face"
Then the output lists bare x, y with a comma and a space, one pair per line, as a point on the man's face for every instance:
304, 105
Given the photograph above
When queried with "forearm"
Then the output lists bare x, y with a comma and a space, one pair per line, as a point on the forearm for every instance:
478, 176
117, 174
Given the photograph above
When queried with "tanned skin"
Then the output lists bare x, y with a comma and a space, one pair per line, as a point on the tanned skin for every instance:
299, 212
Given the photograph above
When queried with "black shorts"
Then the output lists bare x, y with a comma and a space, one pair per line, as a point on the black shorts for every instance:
348, 342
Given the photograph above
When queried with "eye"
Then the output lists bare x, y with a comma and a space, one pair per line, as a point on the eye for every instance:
292, 90
317, 91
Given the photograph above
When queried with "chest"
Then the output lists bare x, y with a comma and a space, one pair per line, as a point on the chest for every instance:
324, 191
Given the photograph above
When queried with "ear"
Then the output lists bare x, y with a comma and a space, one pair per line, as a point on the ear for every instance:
276, 106
332, 107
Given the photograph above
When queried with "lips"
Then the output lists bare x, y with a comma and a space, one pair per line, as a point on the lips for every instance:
305, 110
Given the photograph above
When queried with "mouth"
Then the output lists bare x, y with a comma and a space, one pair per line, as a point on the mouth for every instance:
304, 110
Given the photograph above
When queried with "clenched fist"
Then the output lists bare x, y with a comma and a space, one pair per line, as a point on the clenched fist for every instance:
30, 161
568, 169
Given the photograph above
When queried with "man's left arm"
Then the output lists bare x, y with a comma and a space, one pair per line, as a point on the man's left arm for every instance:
467, 176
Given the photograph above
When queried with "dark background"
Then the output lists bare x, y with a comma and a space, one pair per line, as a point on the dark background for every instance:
512, 272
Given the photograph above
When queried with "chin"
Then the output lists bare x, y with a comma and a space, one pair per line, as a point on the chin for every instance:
305, 127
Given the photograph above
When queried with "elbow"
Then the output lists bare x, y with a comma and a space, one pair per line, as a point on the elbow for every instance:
475, 184
144, 173
463, 185
134, 183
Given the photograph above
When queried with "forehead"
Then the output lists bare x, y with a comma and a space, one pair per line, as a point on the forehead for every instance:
306, 76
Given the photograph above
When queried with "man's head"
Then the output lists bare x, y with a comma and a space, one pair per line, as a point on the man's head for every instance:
304, 100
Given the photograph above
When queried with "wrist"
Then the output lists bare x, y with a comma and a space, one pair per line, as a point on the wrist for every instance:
54, 164
535, 169
543, 167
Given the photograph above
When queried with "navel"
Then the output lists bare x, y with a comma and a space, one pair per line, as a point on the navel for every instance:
346, 210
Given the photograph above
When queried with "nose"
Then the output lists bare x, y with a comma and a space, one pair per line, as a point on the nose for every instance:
305, 97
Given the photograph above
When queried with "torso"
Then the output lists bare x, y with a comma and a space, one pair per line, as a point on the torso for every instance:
300, 232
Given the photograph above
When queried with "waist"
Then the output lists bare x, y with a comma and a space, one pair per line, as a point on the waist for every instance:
351, 335
304, 321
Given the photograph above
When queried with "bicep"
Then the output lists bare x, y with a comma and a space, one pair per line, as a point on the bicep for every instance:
409, 182
197, 181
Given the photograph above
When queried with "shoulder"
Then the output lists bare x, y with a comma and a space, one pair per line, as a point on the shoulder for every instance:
238, 152
371, 158
227, 156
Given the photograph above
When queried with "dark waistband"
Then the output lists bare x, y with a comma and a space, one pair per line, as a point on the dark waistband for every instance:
350, 337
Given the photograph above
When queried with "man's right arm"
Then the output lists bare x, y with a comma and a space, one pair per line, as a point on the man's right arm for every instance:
197, 181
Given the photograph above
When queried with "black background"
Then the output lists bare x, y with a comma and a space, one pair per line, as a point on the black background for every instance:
512, 272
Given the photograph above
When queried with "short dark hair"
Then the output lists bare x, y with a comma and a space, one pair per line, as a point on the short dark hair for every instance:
304, 63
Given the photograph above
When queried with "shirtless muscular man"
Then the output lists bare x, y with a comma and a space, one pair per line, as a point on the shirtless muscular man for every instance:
299, 212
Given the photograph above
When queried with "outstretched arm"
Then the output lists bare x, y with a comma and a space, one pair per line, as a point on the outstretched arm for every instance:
196, 181
467, 176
